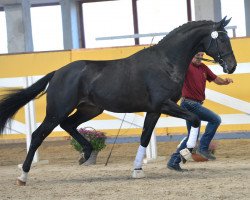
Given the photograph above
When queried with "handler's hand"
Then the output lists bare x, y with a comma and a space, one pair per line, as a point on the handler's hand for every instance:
228, 80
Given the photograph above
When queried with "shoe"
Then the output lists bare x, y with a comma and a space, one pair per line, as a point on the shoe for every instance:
206, 154
176, 168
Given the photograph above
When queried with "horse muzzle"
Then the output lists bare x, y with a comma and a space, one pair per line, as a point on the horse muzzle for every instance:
231, 70
226, 68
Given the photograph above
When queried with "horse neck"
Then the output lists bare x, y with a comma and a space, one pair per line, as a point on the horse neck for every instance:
181, 50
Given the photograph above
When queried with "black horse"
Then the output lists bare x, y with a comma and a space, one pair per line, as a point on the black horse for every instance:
148, 81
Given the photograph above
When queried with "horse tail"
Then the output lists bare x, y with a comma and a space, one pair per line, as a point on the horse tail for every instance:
17, 98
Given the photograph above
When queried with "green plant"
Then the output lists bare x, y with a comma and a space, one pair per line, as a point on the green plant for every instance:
96, 138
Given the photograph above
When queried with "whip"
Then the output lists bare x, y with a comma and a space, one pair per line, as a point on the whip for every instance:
115, 140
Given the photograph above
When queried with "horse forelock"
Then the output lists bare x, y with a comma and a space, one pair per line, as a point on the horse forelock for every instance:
185, 28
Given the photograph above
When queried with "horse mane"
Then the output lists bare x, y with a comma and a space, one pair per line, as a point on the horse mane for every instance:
185, 27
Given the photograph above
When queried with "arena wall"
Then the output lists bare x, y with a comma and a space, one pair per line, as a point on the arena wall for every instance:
231, 102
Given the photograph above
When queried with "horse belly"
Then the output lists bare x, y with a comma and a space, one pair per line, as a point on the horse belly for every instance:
122, 104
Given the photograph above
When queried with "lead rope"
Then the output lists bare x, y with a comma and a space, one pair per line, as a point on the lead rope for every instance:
208, 60
115, 140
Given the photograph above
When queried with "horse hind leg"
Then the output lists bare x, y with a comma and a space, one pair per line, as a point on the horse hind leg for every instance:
175, 110
37, 138
148, 127
84, 113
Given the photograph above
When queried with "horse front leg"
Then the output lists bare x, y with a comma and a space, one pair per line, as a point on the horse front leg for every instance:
173, 109
148, 127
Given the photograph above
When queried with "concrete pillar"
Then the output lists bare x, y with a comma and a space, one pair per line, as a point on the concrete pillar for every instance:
70, 22
18, 22
207, 10
247, 16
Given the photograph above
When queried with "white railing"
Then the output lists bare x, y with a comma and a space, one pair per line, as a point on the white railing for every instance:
233, 28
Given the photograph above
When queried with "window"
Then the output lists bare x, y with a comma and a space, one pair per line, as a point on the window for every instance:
47, 28
107, 19
236, 10
160, 16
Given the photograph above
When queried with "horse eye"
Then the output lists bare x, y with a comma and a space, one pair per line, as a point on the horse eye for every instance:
222, 40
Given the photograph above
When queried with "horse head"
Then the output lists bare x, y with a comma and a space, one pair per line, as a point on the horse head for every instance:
217, 45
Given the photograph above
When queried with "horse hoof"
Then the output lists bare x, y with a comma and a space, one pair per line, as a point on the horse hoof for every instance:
82, 160
84, 157
138, 173
20, 183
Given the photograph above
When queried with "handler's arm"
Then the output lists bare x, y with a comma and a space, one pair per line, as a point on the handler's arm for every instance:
222, 81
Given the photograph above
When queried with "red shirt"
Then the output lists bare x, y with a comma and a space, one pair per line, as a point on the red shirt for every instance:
195, 81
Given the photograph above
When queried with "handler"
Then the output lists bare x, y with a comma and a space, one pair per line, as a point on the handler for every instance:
193, 96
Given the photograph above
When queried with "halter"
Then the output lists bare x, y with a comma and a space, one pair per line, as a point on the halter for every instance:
214, 36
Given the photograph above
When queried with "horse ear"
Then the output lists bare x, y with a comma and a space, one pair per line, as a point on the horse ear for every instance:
224, 22
227, 22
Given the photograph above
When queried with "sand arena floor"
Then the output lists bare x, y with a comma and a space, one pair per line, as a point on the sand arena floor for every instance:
226, 178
